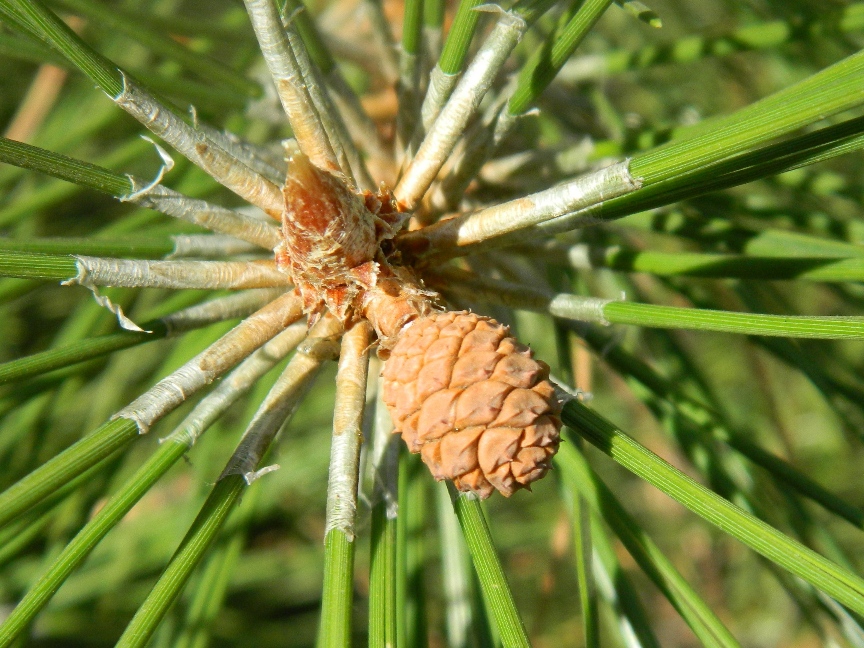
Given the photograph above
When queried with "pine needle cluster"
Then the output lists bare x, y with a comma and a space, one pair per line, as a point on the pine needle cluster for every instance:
218, 219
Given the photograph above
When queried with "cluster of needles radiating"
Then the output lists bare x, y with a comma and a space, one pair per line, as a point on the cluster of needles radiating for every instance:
329, 127
450, 121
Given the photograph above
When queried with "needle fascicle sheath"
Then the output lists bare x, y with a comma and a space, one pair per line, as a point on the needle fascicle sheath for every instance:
215, 218
450, 124
350, 160
212, 246
200, 212
142, 273
233, 306
318, 347
347, 429
478, 144
380, 24
440, 87
460, 235
473, 287
360, 126
205, 413
252, 155
339, 546
358, 123
235, 384
220, 309
213, 362
294, 92
408, 86
460, 283
433, 26
93, 272
445, 74
161, 119
148, 194
239, 473
540, 69
194, 144
535, 75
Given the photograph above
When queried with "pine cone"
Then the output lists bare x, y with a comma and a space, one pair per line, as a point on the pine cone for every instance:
473, 402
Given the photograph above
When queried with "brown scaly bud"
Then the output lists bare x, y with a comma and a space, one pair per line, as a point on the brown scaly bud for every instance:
329, 239
473, 402
331, 248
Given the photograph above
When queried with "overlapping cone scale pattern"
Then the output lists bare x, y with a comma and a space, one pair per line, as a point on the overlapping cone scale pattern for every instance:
473, 402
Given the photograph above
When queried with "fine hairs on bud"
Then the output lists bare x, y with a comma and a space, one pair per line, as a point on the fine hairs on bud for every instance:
332, 250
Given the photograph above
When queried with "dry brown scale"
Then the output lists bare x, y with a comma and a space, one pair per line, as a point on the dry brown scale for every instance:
462, 392
473, 402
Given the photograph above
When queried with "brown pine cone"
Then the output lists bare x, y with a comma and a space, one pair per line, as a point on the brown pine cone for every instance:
473, 402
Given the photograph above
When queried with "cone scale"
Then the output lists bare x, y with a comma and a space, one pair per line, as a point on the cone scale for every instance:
473, 402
